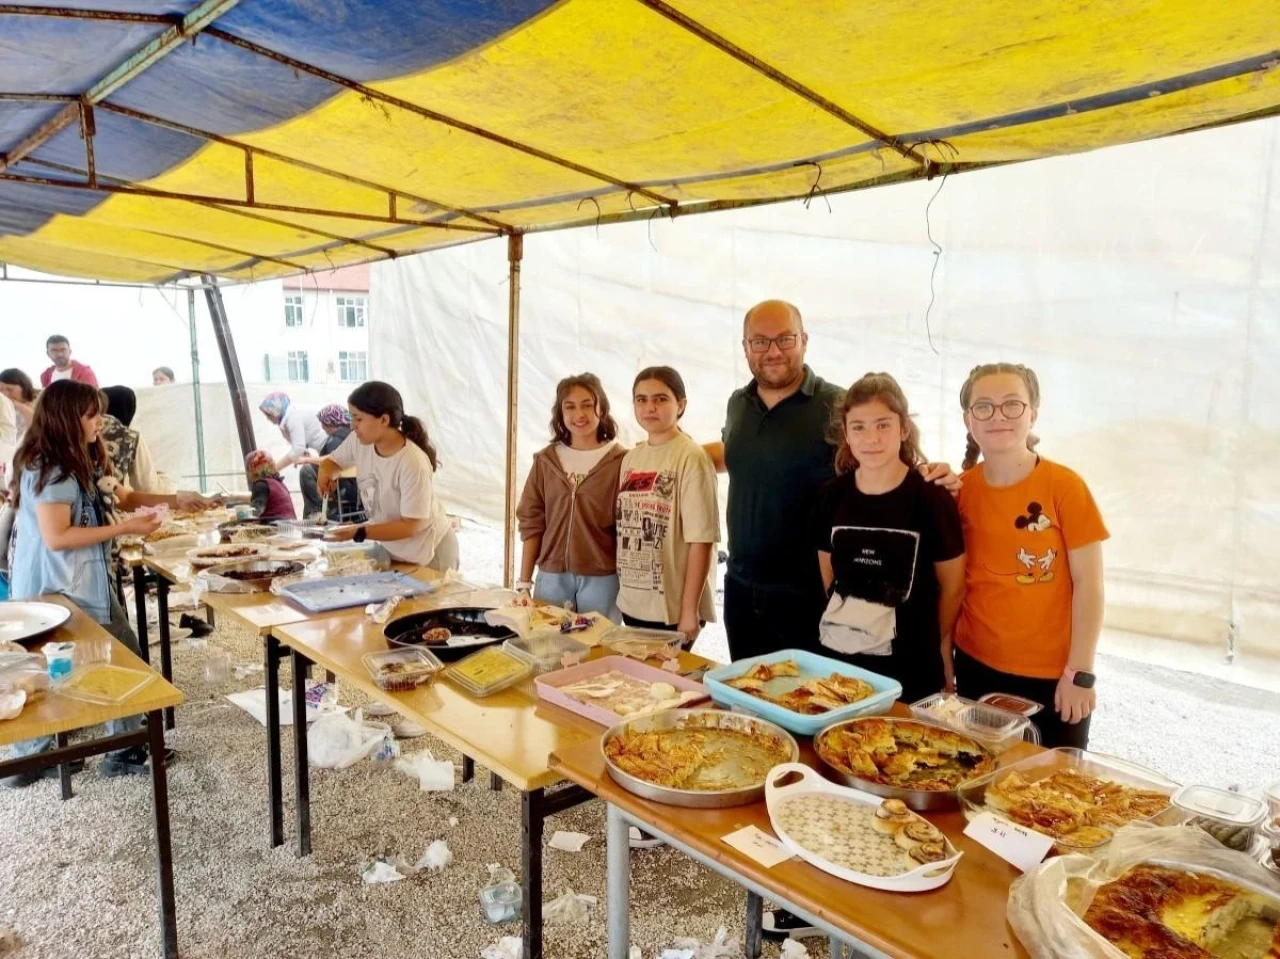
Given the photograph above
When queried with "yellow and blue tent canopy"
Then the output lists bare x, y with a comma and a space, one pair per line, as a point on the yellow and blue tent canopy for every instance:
145, 140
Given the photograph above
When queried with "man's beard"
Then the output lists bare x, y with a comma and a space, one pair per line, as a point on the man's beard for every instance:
778, 375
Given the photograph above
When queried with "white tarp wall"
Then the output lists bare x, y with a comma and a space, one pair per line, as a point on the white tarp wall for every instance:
1142, 284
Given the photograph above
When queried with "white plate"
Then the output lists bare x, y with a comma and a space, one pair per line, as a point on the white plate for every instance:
21, 620
929, 876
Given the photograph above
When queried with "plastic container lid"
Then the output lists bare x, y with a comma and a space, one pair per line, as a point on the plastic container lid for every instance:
1012, 703
488, 671
1220, 804
547, 651
397, 670
642, 643
994, 727
104, 684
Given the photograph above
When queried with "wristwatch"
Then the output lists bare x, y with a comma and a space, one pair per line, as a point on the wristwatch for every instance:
1080, 677
524, 585
362, 533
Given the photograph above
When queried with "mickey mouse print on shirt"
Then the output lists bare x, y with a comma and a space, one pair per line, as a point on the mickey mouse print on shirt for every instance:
1037, 566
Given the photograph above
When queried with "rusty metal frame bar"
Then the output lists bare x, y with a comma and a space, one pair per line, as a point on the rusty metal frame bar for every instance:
88, 129
724, 45
133, 190
410, 107
38, 97
69, 13
199, 134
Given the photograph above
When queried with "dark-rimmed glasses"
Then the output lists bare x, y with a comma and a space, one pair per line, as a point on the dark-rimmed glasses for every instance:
761, 344
1011, 409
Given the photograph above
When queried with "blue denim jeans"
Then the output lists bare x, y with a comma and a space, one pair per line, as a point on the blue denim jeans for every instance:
588, 594
119, 628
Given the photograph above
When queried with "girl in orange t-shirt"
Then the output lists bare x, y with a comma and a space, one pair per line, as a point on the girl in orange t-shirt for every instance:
1033, 599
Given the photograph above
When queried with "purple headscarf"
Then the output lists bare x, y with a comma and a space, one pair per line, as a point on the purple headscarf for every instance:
334, 416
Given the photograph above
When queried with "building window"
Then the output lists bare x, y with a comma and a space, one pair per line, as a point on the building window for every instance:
293, 309
298, 372
353, 367
351, 311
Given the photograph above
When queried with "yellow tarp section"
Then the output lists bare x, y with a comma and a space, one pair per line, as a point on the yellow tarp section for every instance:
604, 109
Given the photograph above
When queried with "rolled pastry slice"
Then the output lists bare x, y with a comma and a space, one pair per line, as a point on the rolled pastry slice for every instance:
927, 852
891, 816
917, 832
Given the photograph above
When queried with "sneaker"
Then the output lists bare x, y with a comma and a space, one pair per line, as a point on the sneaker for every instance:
23, 780
407, 729
780, 924
378, 710
642, 840
198, 626
128, 762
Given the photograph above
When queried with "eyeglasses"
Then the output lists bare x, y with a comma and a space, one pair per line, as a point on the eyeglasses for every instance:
761, 344
1011, 409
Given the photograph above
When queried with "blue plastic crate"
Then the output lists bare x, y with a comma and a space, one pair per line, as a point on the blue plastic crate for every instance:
812, 666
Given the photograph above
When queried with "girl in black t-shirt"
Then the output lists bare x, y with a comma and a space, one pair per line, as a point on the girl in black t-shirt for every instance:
889, 544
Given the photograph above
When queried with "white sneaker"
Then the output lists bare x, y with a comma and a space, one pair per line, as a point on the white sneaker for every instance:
642, 840
379, 710
408, 729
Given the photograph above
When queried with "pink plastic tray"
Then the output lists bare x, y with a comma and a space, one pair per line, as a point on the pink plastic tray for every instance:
549, 685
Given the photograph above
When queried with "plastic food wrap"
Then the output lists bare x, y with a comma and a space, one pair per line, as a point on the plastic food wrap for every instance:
1047, 905
21, 673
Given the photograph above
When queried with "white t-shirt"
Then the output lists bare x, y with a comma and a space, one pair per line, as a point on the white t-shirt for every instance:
400, 486
61, 374
301, 427
578, 463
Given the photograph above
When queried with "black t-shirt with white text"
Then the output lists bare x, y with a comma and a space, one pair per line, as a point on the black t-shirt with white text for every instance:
883, 548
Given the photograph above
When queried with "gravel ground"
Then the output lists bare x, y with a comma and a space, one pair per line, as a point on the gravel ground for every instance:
77, 879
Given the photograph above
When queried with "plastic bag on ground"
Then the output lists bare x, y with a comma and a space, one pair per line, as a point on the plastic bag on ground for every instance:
383, 870
336, 740
1046, 905
433, 775
723, 946
794, 949
437, 857
508, 947
569, 907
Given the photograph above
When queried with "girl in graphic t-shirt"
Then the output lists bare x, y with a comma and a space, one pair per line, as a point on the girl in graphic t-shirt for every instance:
395, 470
1033, 601
566, 510
668, 520
889, 545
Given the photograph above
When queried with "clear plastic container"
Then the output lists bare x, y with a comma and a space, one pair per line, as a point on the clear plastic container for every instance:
1273, 801
995, 728
1011, 703
973, 794
399, 670
104, 684
547, 652
653, 645
1230, 818
488, 671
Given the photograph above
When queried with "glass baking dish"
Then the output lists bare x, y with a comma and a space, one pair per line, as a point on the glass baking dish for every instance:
973, 794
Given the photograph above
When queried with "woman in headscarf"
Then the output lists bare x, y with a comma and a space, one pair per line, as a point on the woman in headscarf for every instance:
301, 429
345, 506
126, 448
268, 495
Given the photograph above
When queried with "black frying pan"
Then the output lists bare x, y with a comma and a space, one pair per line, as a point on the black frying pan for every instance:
459, 620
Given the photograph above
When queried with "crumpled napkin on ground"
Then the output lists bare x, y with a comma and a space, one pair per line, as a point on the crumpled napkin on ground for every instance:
569, 906
508, 947
432, 774
794, 949
568, 841
437, 857
383, 869
722, 947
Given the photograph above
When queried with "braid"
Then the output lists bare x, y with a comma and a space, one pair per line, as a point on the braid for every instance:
971, 453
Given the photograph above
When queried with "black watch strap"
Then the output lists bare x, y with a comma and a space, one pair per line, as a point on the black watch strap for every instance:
1083, 679
362, 533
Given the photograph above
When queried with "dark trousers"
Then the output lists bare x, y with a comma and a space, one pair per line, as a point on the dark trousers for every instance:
308, 477
761, 621
974, 679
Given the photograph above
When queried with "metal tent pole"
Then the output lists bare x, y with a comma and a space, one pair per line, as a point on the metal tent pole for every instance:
515, 254
230, 364
195, 388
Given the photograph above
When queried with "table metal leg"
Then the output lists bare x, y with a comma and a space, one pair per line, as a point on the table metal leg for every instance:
164, 849
755, 924
275, 788
210, 616
532, 817
618, 889
64, 770
302, 775
140, 611
166, 651
468, 769
495, 782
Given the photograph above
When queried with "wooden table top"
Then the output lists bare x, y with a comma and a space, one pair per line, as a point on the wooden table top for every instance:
512, 732
966, 917
55, 714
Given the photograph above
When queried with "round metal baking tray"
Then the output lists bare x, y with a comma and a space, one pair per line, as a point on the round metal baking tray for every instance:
693, 719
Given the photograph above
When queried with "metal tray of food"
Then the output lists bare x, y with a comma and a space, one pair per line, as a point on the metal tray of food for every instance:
226, 553
22, 622
466, 626
1043, 765
238, 532
975, 755
258, 573
751, 748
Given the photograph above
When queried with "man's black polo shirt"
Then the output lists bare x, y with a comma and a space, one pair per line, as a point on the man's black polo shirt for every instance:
777, 460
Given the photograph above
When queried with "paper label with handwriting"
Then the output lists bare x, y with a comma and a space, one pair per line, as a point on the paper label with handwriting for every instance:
1016, 845
754, 842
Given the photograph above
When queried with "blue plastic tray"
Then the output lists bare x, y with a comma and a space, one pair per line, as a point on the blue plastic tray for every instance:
343, 592
811, 666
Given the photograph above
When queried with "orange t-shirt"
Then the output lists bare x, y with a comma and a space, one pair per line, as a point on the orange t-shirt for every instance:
1016, 616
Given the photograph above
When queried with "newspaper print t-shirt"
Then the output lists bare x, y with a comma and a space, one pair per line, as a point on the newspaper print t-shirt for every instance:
578, 463
883, 548
666, 500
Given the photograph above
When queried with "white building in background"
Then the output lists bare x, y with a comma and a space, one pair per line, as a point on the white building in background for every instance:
321, 334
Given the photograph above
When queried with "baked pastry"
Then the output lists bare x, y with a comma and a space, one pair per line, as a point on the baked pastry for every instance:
1065, 802
927, 852
917, 832
904, 753
891, 816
